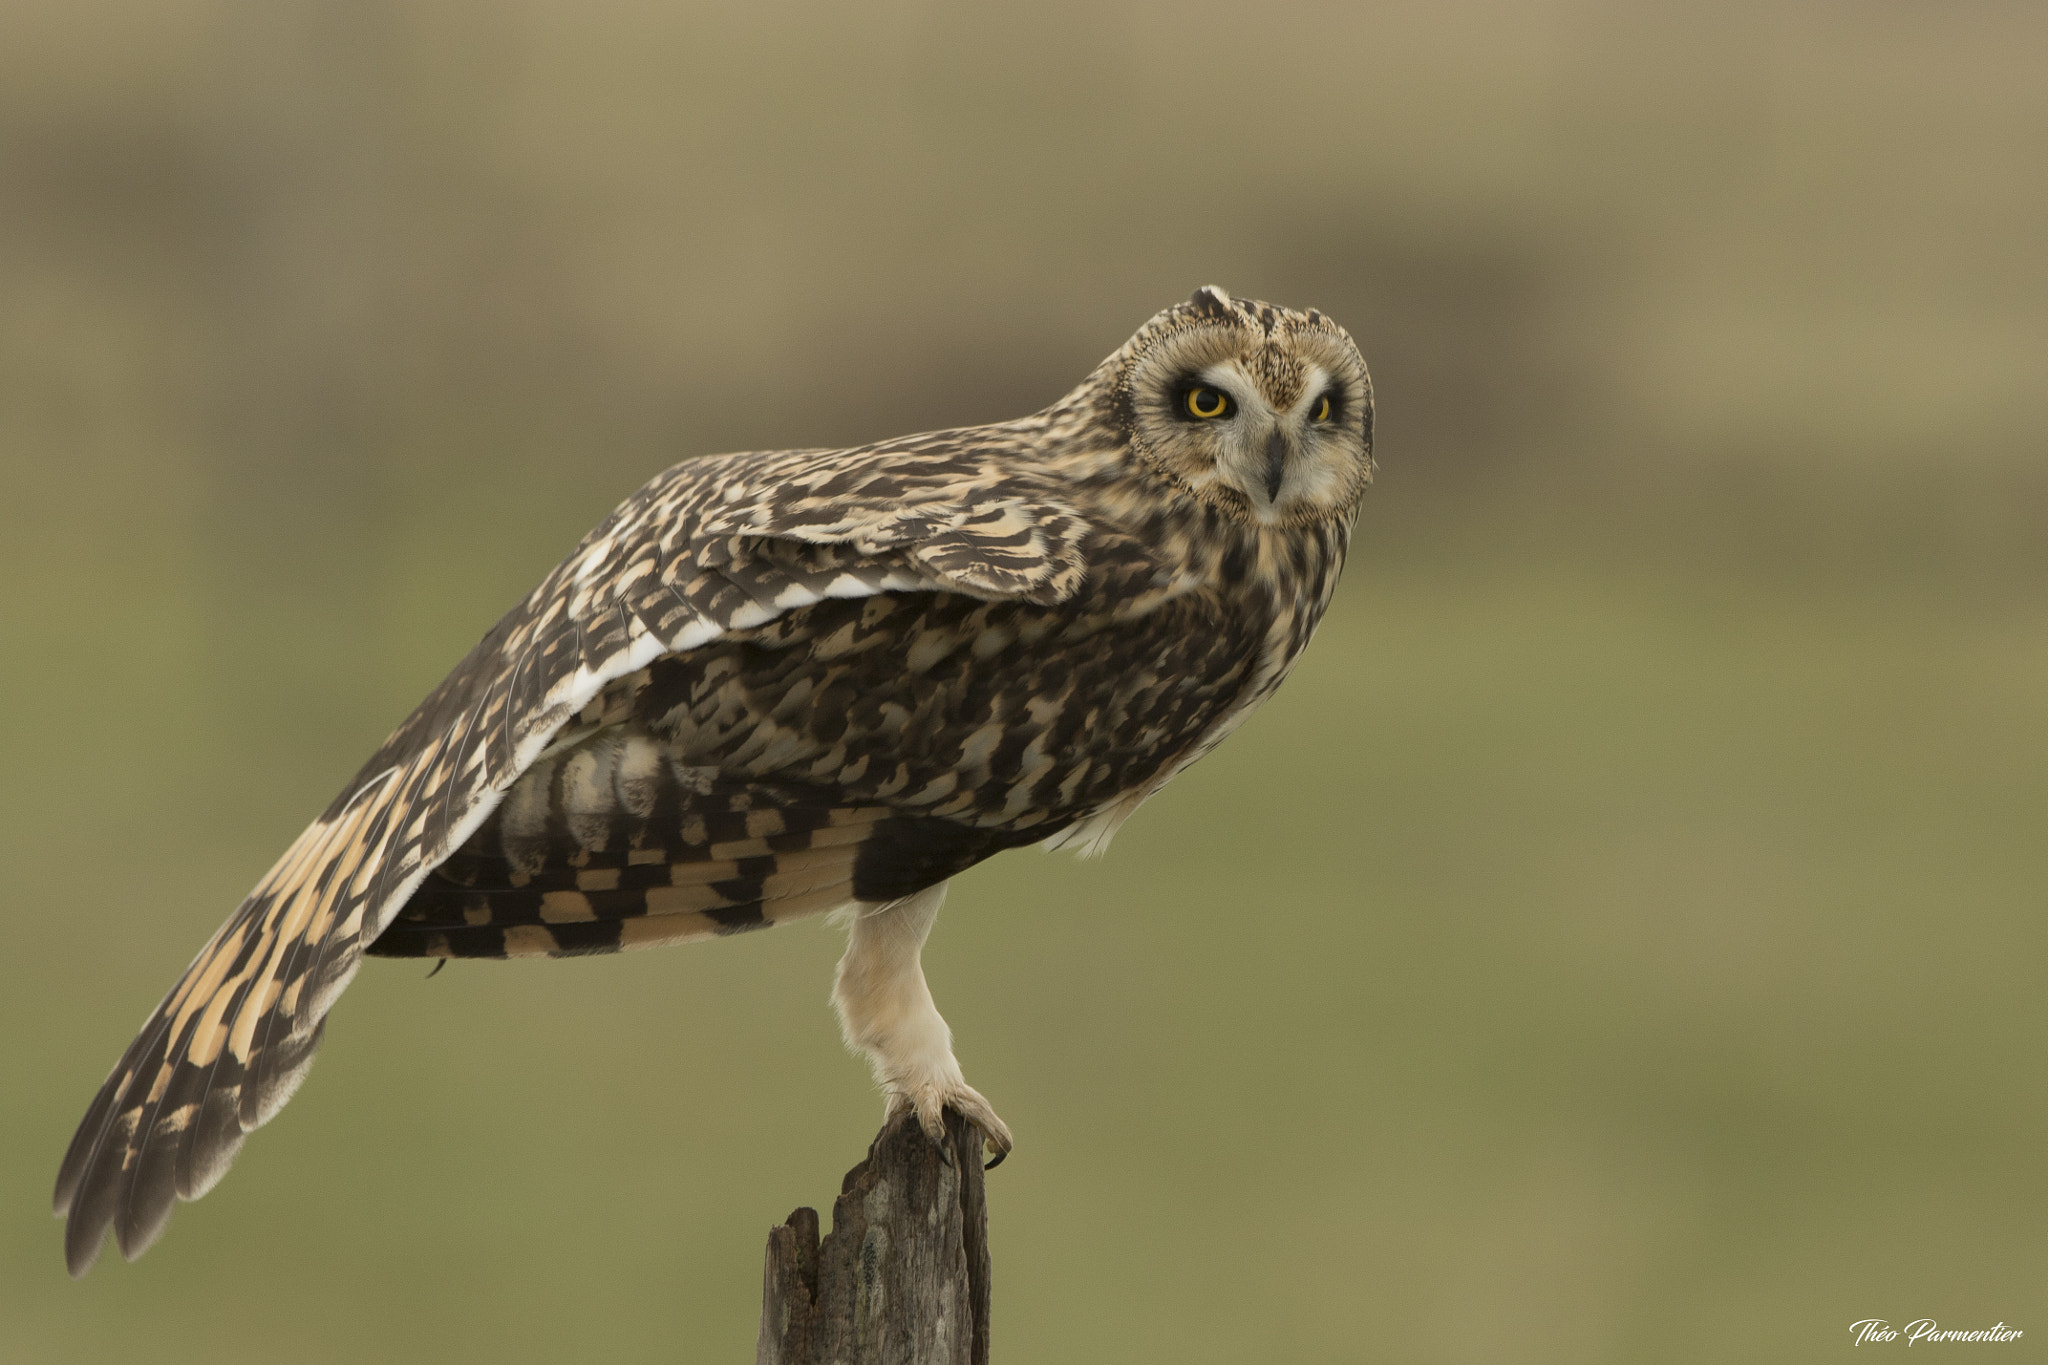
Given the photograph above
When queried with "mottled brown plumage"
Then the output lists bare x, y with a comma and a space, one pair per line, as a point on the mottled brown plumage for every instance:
774, 684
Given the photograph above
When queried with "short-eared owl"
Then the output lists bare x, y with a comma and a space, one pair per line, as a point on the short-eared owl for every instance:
779, 683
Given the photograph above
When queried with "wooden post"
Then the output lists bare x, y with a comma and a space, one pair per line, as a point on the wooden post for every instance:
903, 1277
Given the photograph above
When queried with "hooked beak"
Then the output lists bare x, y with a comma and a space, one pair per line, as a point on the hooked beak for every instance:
1276, 462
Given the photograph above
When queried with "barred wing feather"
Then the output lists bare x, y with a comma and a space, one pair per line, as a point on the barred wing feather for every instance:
712, 546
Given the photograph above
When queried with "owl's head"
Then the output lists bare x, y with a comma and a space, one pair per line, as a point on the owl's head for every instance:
1262, 412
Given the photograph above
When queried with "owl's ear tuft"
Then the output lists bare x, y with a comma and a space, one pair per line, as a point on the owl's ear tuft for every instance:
1210, 301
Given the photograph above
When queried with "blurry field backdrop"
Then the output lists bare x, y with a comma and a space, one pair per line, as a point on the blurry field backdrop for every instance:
1622, 941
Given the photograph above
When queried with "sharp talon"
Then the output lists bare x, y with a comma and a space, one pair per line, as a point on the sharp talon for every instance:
990, 1133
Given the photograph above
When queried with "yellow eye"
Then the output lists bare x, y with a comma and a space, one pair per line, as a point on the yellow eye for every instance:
1322, 409
1205, 402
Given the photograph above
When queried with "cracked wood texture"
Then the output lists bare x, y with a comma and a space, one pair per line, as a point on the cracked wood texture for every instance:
903, 1278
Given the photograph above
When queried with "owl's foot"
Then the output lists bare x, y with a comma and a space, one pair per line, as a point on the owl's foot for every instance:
930, 1101
886, 1011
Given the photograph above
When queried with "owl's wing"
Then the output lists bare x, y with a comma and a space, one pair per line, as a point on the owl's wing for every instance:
712, 546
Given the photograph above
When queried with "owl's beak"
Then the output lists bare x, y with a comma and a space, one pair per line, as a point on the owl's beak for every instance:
1276, 462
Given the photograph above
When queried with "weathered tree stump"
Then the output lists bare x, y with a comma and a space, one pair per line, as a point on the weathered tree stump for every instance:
903, 1277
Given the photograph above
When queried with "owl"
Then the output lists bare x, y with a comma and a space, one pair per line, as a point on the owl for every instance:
786, 683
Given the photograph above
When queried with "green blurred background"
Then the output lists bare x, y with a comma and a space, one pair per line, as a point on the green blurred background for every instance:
1622, 941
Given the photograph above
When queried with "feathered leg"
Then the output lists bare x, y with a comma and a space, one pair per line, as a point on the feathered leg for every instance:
886, 1012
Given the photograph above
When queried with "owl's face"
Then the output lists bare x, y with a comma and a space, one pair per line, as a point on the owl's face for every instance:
1262, 412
